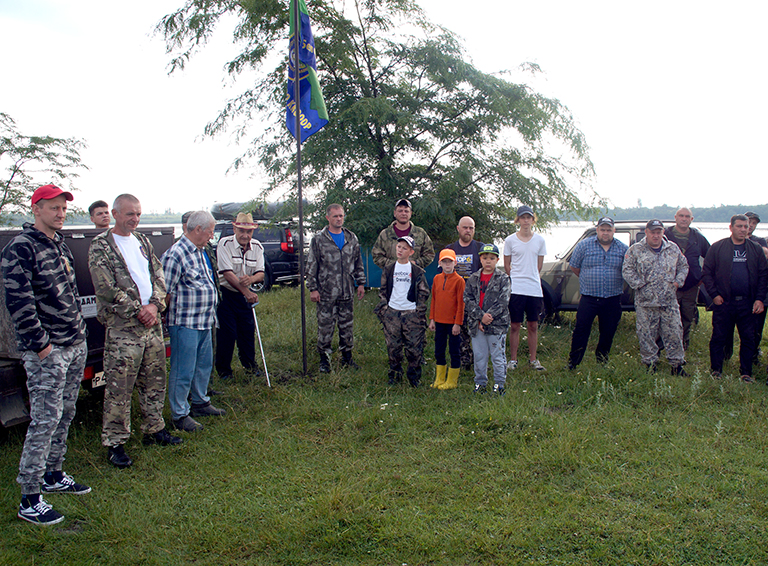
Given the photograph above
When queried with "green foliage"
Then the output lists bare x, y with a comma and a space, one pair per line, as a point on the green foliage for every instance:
410, 117
30, 161
603, 465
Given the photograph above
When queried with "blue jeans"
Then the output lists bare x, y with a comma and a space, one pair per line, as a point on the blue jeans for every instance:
191, 365
490, 347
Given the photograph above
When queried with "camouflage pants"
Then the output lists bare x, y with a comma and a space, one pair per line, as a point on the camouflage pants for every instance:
664, 322
133, 358
467, 355
329, 315
404, 331
53, 385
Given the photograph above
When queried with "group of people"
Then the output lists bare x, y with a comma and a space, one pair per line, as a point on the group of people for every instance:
666, 270
476, 304
197, 289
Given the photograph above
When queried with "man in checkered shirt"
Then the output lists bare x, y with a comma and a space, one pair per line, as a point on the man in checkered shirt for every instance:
192, 299
597, 262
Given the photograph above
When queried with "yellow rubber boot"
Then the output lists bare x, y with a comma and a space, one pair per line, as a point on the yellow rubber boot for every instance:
439, 376
452, 381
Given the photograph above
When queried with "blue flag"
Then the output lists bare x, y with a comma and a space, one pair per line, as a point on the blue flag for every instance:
311, 106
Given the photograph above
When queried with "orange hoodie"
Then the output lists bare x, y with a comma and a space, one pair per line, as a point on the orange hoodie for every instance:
447, 305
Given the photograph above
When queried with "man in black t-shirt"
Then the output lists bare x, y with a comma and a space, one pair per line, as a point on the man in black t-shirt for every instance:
467, 262
736, 277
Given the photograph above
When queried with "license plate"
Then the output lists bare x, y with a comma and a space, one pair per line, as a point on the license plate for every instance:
99, 380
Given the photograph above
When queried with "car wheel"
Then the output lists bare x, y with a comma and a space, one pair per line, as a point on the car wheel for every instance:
265, 285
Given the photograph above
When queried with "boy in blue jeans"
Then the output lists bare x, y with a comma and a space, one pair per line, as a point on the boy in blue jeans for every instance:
486, 300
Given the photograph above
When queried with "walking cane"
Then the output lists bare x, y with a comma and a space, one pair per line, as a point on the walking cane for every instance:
261, 347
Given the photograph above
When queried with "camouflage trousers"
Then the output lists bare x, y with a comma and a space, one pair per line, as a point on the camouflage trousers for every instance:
133, 358
404, 331
467, 355
329, 315
53, 385
664, 322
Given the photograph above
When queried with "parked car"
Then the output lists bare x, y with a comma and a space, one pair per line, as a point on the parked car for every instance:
13, 378
561, 286
281, 246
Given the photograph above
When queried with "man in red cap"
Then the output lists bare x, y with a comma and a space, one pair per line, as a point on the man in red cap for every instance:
41, 296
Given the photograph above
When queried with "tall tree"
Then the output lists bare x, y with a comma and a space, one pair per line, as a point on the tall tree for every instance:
409, 117
29, 161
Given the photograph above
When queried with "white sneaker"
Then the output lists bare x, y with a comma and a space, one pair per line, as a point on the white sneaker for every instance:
511, 365
536, 364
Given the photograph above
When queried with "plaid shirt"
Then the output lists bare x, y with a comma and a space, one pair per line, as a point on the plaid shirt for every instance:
190, 284
600, 274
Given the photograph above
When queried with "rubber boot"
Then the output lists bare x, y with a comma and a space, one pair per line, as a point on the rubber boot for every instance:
452, 381
439, 376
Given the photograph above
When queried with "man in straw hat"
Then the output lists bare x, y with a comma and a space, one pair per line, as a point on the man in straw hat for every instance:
241, 264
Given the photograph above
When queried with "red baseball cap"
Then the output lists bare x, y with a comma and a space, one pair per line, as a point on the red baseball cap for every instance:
47, 192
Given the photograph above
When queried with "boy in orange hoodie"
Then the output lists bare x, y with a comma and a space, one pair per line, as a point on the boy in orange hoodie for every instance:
446, 313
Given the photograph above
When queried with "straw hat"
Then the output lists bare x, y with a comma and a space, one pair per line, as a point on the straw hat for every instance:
244, 220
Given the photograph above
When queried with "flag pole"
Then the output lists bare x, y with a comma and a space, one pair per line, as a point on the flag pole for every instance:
297, 98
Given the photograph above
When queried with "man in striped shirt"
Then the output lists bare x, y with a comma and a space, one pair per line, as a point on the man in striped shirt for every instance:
192, 301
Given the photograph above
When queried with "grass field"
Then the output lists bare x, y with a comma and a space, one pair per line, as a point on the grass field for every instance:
606, 465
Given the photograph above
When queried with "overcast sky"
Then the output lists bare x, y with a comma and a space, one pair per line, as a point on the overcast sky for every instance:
669, 94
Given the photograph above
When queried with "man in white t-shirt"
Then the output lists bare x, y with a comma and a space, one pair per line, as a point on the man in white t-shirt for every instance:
524, 253
130, 295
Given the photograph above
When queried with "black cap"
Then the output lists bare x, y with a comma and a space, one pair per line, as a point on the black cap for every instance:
605, 220
525, 209
403, 202
654, 224
752, 215
408, 240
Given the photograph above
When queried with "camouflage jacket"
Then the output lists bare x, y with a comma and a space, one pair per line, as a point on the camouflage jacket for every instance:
117, 295
495, 301
652, 274
418, 292
384, 253
41, 292
335, 273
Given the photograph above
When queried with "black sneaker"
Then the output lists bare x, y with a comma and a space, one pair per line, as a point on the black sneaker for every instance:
118, 458
498, 389
479, 389
40, 514
65, 485
162, 438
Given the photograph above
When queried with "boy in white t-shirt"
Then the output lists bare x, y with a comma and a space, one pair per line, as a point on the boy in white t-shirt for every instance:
524, 253
402, 311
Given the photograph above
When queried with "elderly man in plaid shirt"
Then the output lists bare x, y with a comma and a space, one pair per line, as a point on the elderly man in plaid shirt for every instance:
597, 262
192, 300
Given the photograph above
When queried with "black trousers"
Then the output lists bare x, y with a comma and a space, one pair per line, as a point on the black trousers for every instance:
235, 325
443, 335
724, 318
608, 313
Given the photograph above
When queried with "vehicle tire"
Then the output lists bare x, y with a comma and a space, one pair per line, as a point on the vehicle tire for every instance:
265, 285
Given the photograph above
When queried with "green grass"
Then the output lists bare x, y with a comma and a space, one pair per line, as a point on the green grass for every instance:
607, 465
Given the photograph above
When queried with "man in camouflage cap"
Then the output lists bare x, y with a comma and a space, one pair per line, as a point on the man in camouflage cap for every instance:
130, 295
335, 275
656, 268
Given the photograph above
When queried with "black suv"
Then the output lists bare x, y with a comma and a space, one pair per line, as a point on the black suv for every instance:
281, 246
